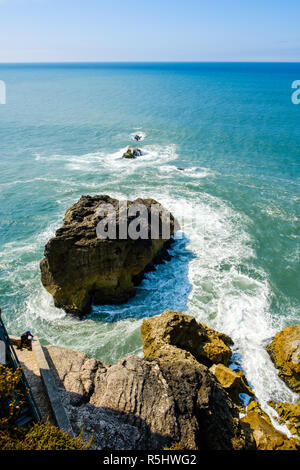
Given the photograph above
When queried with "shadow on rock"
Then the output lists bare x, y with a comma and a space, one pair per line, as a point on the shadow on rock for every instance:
147, 404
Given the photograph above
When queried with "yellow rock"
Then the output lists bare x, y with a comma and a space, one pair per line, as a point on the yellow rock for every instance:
175, 334
233, 382
266, 436
255, 406
289, 414
285, 353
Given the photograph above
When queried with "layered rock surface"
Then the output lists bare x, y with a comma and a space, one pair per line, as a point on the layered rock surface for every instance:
166, 398
148, 404
79, 268
152, 403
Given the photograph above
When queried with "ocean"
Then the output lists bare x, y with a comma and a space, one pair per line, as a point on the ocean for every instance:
235, 132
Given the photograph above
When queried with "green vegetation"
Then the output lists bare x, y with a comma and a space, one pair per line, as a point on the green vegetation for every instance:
38, 436
175, 446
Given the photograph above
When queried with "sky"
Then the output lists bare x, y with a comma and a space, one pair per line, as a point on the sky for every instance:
149, 30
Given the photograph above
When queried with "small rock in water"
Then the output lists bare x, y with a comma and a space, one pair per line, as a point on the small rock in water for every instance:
132, 152
181, 169
137, 137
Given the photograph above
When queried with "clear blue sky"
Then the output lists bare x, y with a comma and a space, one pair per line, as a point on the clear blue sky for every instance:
149, 30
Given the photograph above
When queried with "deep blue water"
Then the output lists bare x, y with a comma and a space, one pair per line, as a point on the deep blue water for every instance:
234, 130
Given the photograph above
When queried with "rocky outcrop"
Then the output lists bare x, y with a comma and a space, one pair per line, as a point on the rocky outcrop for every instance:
233, 382
288, 414
148, 404
285, 353
80, 268
179, 336
132, 152
266, 436
168, 399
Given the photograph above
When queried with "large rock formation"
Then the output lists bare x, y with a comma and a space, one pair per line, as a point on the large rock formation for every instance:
148, 404
80, 268
168, 398
285, 353
174, 334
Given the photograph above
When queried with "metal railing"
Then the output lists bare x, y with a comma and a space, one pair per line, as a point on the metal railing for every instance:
14, 363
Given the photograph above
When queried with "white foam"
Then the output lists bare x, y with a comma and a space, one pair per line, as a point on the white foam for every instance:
195, 172
38, 179
226, 298
98, 162
141, 134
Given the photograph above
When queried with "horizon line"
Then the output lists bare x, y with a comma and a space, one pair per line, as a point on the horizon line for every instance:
154, 62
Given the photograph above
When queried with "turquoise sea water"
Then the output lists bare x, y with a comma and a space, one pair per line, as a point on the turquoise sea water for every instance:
234, 130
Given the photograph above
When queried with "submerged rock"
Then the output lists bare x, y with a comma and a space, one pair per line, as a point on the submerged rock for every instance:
174, 334
285, 353
132, 152
80, 268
